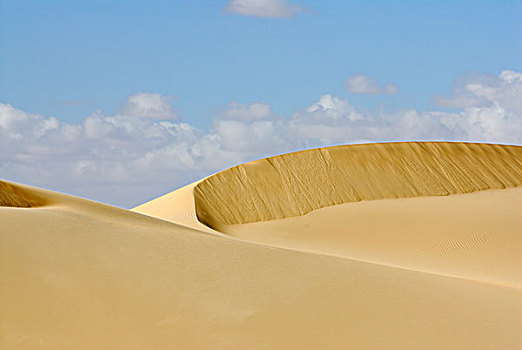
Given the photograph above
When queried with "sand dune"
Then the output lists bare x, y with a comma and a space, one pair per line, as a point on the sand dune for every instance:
392, 246
297, 183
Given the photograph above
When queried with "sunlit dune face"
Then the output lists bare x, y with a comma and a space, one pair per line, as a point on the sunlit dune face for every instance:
14, 196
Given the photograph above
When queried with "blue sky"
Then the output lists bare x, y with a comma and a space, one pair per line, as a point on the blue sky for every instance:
121, 101
67, 58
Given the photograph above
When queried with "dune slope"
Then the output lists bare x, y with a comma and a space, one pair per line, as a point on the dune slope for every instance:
477, 236
296, 183
76, 274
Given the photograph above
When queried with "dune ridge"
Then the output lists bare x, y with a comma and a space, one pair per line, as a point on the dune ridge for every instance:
295, 184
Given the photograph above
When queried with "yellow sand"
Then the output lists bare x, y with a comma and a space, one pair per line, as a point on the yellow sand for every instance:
295, 184
76, 274
476, 236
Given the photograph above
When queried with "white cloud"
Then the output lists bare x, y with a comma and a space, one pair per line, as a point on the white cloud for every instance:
117, 159
126, 159
333, 107
478, 90
263, 8
149, 105
362, 84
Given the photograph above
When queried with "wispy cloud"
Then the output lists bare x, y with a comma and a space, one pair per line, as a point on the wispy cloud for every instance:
362, 84
263, 8
254, 111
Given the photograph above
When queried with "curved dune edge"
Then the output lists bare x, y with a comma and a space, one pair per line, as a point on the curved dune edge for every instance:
294, 184
177, 206
461, 235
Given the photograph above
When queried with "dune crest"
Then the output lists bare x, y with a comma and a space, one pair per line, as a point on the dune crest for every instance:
295, 184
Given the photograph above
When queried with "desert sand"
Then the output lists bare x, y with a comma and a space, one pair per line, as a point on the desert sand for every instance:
377, 246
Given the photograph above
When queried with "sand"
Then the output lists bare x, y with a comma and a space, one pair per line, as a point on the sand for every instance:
427, 263
475, 236
295, 184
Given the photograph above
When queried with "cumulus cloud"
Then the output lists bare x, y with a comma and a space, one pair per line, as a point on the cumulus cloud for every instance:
334, 120
263, 8
149, 105
332, 107
128, 158
109, 158
479, 90
362, 84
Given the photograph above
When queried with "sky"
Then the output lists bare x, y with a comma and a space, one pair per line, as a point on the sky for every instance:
122, 101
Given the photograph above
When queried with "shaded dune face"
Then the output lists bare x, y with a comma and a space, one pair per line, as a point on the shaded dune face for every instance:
14, 196
295, 184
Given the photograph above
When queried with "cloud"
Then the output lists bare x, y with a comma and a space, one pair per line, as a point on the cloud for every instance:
362, 84
253, 111
149, 105
109, 158
479, 90
334, 120
332, 107
459, 101
262, 8
128, 158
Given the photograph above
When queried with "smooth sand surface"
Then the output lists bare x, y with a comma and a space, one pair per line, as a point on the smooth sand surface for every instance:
477, 236
403, 268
